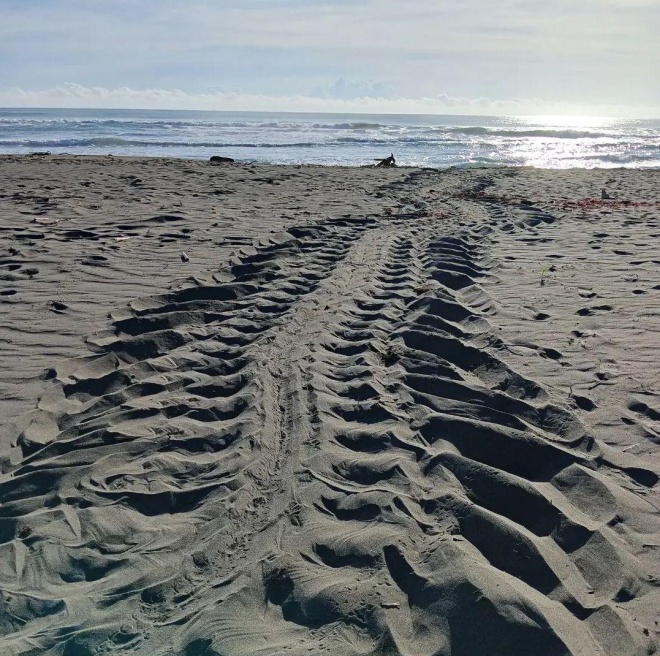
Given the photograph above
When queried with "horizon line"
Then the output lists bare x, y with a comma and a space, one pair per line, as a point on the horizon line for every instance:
347, 113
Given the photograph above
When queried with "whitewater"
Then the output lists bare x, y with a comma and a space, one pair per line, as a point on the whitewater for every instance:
337, 139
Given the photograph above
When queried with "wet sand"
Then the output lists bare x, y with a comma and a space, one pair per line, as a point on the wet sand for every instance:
250, 410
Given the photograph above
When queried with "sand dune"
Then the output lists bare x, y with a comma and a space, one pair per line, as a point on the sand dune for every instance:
352, 436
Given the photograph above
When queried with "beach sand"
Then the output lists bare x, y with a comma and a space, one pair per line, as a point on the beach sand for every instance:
262, 410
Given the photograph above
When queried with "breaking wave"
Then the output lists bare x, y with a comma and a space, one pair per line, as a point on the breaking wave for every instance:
116, 141
519, 133
332, 139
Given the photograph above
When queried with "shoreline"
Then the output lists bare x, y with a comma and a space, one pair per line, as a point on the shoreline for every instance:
364, 398
332, 139
238, 162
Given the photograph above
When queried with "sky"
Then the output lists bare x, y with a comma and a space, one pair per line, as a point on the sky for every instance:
586, 57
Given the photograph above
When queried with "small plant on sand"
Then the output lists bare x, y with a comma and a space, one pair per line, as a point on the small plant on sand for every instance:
544, 270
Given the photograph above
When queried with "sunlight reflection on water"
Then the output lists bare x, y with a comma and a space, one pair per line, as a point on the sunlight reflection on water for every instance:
347, 139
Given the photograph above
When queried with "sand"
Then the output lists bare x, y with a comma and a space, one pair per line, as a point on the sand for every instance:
369, 411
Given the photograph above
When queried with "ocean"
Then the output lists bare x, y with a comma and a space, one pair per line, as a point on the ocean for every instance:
345, 139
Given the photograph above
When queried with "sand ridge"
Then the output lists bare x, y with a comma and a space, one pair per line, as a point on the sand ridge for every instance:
83, 235
332, 445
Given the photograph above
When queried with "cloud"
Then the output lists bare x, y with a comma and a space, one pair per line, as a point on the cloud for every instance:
599, 52
73, 95
344, 89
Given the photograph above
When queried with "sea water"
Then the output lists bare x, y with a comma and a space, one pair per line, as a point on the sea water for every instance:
345, 139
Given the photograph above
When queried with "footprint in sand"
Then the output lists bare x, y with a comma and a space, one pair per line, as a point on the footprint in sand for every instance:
550, 353
58, 307
79, 234
589, 311
587, 293
645, 418
583, 402
643, 409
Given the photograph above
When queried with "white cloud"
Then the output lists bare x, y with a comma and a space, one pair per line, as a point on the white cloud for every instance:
592, 52
74, 95
343, 89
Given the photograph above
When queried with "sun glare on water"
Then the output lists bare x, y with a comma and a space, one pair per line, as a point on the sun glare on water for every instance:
560, 141
577, 122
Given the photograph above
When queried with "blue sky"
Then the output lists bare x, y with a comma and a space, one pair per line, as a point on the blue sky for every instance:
481, 56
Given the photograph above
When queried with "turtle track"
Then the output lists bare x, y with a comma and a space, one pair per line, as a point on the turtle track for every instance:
325, 450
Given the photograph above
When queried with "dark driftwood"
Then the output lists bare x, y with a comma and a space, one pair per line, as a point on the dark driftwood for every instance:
216, 159
387, 162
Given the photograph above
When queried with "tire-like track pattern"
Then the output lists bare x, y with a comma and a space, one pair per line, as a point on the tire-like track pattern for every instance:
323, 455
